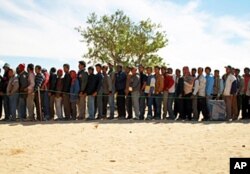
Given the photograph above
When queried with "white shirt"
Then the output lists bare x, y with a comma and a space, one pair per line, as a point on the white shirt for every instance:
200, 86
172, 89
228, 85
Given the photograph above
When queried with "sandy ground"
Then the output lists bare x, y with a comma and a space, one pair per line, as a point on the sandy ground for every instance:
121, 147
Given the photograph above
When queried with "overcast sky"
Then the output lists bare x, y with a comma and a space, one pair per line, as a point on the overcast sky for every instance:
200, 32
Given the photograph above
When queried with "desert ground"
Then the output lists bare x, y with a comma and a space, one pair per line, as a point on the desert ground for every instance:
121, 146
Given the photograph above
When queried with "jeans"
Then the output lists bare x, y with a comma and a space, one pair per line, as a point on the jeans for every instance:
13, 99
22, 107
158, 103
91, 106
82, 107
150, 100
142, 105
170, 105
6, 106
135, 102
45, 104
58, 103
112, 105
73, 109
99, 104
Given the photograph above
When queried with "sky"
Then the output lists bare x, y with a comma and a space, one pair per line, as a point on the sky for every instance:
201, 33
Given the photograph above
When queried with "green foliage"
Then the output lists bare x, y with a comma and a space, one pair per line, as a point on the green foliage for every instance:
117, 40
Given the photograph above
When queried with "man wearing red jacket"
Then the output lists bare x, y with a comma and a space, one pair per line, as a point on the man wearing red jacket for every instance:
168, 83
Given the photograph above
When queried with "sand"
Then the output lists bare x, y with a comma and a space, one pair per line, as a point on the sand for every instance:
121, 147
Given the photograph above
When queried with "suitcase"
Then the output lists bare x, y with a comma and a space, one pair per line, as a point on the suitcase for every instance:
217, 110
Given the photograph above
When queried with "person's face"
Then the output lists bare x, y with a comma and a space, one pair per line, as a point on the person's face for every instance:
178, 73
141, 69
228, 70
65, 69
73, 75
37, 70
194, 72
216, 74
104, 70
90, 71
80, 66
207, 71
246, 71
118, 68
236, 72
134, 70
98, 69
163, 71
170, 71
59, 74
149, 71
157, 71
200, 71
10, 73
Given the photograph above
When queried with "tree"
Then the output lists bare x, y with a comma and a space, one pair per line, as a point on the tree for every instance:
117, 40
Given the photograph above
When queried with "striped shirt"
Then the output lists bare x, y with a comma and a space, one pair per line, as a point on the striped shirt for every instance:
39, 80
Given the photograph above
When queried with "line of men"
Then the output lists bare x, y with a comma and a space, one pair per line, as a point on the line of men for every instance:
65, 94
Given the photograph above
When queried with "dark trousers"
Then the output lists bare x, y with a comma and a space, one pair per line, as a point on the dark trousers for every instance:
178, 107
121, 103
66, 106
129, 106
52, 106
187, 103
142, 103
157, 105
6, 106
1, 106
202, 107
245, 107
38, 105
105, 100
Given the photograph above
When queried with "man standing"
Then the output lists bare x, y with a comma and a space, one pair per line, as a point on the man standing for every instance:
134, 87
245, 98
66, 91
120, 85
107, 90
99, 77
230, 88
91, 92
171, 93
5, 82
179, 93
238, 94
142, 100
165, 90
149, 92
30, 91
111, 73
216, 86
45, 95
39, 79
58, 94
158, 92
128, 94
83, 80
200, 92
188, 89
23, 84
1, 94
52, 88
12, 93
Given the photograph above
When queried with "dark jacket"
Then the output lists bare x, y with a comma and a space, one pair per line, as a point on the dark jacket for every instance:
5, 82
91, 85
180, 87
66, 83
23, 83
99, 78
120, 81
83, 80
52, 83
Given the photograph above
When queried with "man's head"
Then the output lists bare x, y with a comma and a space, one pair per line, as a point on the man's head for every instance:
6, 67
200, 71
134, 70
119, 68
228, 69
185, 70
38, 69
236, 71
59, 73
170, 71
246, 71
98, 68
127, 69
30, 67
193, 71
104, 69
163, 70
149, 70
178, 72
141, 68
216, 73
66, 68
73, 74
21, 67
91, 70
208, 70
81, 65
52, 70
157, 69
11, 73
